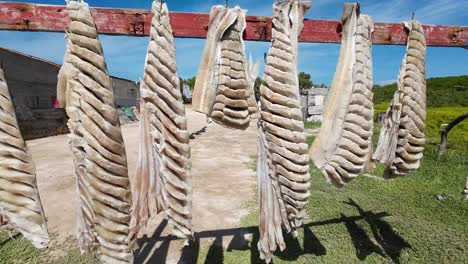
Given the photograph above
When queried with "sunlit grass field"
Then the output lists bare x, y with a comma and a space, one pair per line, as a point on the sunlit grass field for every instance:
371, 220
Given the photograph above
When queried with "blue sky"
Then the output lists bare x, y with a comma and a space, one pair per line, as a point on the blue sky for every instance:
125, 55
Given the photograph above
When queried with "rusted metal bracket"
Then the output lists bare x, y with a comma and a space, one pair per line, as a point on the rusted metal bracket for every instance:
259, 28
138, 25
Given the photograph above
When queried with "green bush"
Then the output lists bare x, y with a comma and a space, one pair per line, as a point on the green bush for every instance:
447, 98
436, 116
444, 115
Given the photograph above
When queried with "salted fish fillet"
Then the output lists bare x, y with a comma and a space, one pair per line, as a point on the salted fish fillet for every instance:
147, 181
253, 69
20, 204
283, 161
166, 184
222, 87
96, 142
401, 142
344, 144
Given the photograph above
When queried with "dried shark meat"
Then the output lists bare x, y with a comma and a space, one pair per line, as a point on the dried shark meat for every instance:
401, 141
146, 183
252, 74
222, 87
96, 142
343, 146
166, 184
20, 203
283, 162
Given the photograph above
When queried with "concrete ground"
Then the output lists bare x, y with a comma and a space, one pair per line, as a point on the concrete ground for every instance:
222, 183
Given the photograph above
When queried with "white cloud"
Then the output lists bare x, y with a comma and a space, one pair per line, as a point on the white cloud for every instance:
443, 12
386, 82
427, 12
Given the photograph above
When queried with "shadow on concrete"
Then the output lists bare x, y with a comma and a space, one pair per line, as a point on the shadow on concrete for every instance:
198, 133
149, 250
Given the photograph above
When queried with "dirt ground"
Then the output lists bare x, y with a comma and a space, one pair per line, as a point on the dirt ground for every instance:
222, 183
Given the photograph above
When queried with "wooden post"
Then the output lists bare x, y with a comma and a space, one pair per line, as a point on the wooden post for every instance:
445, 130
137, 22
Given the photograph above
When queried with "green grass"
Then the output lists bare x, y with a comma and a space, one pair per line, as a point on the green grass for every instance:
374, 220
18, 250
436, 116
371, 220
312, 124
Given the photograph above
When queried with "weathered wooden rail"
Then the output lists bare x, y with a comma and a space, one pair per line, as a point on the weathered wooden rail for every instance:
136, 22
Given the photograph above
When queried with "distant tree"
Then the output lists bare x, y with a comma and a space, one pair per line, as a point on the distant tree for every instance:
181, 85
181, 88
191, 82
304, 81
257, 84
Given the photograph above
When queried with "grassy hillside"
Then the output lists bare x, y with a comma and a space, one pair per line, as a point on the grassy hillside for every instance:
436, 116
443, 91
446, 100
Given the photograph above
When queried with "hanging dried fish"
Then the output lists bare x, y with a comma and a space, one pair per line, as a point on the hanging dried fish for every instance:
252, 75
401, 141
222, 86
62, 78
20, 203
283, 162
96, 142
344, 143
168, 188
145, 184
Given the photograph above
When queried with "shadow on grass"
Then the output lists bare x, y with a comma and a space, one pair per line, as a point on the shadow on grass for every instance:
388, 243
361, 241
10, 238
215, 253
391, 243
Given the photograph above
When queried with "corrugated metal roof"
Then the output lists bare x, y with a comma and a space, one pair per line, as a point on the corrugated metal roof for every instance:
31, 57
49, 62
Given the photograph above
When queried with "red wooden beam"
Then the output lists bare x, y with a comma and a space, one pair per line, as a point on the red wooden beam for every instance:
136, 22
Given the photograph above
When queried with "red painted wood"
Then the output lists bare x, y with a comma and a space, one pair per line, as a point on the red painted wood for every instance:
136, 22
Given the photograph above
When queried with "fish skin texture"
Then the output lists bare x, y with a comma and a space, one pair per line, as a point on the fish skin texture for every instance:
20, 203
224, 84
401, 142
96, 141
283, 160
163, 178
343, 147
